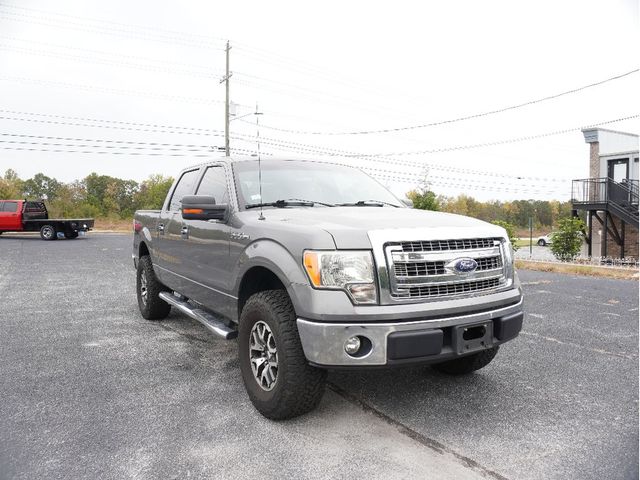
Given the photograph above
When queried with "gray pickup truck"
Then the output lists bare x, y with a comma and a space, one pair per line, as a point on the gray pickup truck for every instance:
316, 266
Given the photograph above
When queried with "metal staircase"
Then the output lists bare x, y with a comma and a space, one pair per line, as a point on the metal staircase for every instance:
604, 194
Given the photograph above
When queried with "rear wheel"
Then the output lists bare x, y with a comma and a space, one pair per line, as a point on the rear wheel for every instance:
70, 235
541, 242
48, 232
148, 289
467, 364
279, 381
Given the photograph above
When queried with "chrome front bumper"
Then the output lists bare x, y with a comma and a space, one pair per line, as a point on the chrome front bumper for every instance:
323, 343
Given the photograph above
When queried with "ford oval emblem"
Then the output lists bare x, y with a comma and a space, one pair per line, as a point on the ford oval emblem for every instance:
465, 265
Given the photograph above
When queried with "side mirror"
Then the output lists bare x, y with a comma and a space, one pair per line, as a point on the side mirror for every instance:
202, 207
407, 202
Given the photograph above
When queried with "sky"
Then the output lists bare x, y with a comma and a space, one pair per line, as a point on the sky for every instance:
131, 89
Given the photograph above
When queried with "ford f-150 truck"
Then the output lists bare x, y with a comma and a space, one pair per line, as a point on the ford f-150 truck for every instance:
315, 266
26, 216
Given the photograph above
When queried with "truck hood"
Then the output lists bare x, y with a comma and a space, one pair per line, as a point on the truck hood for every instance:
350, 226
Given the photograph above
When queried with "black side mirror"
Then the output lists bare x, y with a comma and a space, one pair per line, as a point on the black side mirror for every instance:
202, 207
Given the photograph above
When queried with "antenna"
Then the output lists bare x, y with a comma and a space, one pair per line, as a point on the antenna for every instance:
257, 114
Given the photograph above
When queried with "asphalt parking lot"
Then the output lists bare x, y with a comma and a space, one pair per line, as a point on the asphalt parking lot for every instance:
91, 390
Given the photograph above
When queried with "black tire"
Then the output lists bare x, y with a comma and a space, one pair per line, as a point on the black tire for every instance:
48, 233
298, 387
152, 307
542, 243
467, 364
70, 235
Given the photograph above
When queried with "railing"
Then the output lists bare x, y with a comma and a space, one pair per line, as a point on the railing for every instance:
603, 190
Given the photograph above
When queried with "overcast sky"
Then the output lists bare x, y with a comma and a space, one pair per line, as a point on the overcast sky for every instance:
93, 75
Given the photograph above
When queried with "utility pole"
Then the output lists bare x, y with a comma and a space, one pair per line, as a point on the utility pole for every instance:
226, 103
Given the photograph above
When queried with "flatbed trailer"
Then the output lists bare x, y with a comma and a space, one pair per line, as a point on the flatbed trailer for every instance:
33, 216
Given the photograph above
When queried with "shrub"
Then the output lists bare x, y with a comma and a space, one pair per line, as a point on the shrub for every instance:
566, 242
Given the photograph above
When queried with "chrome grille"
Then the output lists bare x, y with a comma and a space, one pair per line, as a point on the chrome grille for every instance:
440, 245
426, 268
451, 289
417, 269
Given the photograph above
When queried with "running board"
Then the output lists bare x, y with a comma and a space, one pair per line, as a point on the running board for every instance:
213, 324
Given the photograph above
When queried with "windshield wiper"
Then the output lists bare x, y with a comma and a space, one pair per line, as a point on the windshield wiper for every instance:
367, 203
290, 202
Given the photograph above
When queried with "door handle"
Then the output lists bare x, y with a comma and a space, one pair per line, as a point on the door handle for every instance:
160, 227
184, 231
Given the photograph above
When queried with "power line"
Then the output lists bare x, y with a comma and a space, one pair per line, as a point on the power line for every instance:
458, 119
115, 91
497, 142
101, 61
308, 148
113, 145
114, 28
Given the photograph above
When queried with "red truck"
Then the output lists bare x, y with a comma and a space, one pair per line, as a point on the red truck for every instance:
28, 216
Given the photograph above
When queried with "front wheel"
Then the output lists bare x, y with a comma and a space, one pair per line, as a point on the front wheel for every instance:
148, 289
48, 233
541, 242
467, 364
279, 381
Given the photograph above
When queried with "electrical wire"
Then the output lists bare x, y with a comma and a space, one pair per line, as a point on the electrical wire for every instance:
457, 119
308, 148
115, 91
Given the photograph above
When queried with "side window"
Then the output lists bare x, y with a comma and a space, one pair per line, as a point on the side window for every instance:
10, 207
214, 183
185, 186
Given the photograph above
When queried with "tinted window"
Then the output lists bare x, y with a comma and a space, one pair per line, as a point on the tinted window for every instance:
185, 186
11, 207
214, 183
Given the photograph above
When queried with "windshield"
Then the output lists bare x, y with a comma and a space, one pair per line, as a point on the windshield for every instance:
308, 181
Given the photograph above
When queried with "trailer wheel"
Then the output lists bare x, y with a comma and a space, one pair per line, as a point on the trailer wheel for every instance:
70, 235
48, 232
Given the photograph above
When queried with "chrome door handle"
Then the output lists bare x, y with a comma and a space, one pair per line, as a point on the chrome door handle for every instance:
184, 231
160, 227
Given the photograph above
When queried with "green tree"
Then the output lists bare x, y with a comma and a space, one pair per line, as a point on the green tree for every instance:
511, 232
424, 199
567, 241
152, 192
41, 186
10, 186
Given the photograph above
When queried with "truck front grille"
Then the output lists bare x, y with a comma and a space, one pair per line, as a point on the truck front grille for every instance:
440, 245
425, 268
451, 289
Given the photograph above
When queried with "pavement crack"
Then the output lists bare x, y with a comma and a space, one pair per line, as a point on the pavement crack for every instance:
414, 435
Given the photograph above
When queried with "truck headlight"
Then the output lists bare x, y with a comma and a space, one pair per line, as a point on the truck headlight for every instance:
348, 270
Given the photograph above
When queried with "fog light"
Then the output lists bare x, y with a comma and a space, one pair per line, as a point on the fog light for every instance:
352, 345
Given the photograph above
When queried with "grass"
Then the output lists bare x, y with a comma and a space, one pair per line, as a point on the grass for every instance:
113, 225
585, 270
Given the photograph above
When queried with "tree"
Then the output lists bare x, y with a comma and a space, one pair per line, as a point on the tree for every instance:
424, 199
152, 192
41, 186
567, 241
10, 186
511, 232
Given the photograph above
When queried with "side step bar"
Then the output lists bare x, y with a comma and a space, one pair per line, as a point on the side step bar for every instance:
213, 324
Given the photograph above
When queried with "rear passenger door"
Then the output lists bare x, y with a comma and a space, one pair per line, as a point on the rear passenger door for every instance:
10, 218
170, 251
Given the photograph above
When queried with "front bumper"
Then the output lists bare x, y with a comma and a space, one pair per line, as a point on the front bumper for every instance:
393, 343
